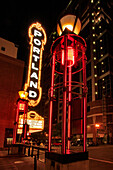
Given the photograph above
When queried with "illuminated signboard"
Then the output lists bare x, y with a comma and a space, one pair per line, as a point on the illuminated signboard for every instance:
38, 39
34, 120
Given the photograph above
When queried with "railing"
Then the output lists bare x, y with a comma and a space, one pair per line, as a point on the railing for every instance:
39, 153
28, 150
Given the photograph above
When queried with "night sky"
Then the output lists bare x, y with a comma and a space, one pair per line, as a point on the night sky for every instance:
17, 16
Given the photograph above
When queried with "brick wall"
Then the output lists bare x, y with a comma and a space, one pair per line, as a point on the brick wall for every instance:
11, 77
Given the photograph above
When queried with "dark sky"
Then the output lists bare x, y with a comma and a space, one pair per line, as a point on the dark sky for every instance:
17, 16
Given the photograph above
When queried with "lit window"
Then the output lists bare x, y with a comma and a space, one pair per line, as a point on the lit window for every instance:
95, 84
92, 20
91, 1
102, 71
97, 13
92, 13
99, 19
102, 62
101, 55
95, 58
93, 28
96, 92
103, 79
95, 75
103, 87
101, 48
98, 8
94, 50
93, 35
98, 2
100, 40
95, 66
99, 26
93, 42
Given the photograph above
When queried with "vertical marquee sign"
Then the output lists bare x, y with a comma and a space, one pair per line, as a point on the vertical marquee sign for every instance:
38, 39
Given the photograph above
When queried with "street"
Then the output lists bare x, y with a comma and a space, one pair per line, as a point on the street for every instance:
100, 158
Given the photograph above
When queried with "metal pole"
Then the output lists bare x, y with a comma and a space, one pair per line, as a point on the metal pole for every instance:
69, 109
35, 163
51, 104
16, 124
64, 97
25, 121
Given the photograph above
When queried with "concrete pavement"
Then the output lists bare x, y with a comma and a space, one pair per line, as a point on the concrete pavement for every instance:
15, 162
100, 158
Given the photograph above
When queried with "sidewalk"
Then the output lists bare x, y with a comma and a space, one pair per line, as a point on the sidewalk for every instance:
15, 162
3, 153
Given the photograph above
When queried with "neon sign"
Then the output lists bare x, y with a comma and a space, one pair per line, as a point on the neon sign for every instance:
34, 120
38, 39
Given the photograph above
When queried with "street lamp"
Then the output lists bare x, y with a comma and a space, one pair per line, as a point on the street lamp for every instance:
23, 94
22, 106
68, 50
71, 22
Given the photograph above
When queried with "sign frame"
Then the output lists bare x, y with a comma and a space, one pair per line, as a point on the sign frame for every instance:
37, 43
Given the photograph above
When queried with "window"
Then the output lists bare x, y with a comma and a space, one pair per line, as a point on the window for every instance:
109, 118
102, 46
110, 45
88, 52
89, 120
88, 70
103, 66
98, 119
3, 48
60, 117
88, 108
104, 87
89, 85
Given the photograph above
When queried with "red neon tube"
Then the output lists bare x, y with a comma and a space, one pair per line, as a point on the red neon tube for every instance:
16, 125
51, 104
69, 110
25, 121
64, 97
85, 100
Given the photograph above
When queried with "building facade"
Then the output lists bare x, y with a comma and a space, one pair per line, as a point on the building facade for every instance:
97, 30
11, 77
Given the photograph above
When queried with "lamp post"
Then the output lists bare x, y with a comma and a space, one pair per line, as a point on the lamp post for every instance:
22, 105
67, 51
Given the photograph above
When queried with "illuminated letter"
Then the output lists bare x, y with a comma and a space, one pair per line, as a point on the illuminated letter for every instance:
32, 94
37, 50
34, 75
33, 67
37, 42
36, 57
37, 33
32, 84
